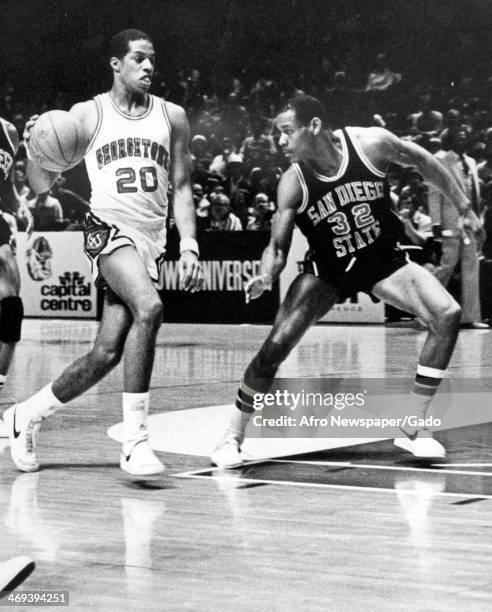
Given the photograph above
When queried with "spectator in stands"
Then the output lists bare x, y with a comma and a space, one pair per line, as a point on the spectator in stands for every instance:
459, 243
219, 162
382, 77
259, 148
485, 168
202, 203
415, 187
261, 214
426, 122
73, 206
236, 178
47, 213
220, 216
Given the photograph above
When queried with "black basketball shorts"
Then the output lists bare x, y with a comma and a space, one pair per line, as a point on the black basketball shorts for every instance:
356, 274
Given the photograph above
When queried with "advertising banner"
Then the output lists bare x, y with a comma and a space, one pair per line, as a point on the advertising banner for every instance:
229, 260
55, 276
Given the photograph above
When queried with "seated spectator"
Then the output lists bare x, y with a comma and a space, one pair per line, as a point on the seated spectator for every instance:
240, 202
426, 121
219, 162
220, 216
199, 149
201, 202
47, 213
236, 178
261, 214
414, 186
382, 77
259, 147
73, 206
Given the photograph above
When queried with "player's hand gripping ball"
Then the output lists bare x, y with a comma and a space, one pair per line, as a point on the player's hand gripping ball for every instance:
57, 141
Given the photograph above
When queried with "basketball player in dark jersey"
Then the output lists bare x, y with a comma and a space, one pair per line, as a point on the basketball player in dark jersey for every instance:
11, 310
337, 192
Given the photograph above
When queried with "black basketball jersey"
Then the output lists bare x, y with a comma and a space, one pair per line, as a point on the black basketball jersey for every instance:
348, 215
7, 151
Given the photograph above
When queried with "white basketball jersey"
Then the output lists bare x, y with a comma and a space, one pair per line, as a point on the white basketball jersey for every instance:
128, 163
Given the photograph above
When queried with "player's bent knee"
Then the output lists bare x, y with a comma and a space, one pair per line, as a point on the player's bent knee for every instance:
108, 357
448, 318
11, 315
150, 313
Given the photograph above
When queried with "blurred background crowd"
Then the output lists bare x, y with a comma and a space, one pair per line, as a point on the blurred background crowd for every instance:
422, 71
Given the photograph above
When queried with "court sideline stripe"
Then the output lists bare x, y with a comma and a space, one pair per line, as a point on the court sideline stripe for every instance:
327, 486
370, 466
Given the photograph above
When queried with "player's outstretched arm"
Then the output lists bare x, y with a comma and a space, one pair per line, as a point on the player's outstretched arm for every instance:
274, 258
190, 269
408, 153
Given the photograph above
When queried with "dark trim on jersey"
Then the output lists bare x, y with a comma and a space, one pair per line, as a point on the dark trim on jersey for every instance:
131, 117
343, 165
363, 157
305, 192
168, 121
98, 124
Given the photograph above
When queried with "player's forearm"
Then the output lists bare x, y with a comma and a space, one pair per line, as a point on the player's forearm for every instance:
40, 179
184, 213
273, 261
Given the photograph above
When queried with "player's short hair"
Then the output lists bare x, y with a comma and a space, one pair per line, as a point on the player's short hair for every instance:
118, 45
307, 107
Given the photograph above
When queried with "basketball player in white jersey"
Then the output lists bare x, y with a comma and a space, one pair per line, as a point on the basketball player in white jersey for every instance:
138, 144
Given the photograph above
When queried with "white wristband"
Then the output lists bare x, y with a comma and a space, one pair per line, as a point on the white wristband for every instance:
189, 244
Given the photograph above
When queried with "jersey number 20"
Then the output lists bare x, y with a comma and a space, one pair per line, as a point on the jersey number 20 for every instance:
126, 184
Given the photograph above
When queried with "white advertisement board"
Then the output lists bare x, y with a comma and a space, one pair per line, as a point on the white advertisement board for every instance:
360, 310
55, 276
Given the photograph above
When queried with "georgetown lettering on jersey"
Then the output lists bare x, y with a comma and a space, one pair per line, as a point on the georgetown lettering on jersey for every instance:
132, 147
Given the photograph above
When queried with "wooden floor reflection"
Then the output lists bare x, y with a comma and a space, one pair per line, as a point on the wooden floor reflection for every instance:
267, 537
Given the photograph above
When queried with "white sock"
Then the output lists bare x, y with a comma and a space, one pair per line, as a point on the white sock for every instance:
43, 403
237, 424
135, 411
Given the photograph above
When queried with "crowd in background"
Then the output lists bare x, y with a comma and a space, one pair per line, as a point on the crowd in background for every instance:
236, 160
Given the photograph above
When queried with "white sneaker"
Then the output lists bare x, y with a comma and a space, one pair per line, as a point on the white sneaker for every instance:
138, 459
227, 454
22, 430
13, 572
422, 445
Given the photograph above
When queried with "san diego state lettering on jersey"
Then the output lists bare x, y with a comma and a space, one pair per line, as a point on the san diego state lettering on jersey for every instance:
6, 151
128, 164
345, 215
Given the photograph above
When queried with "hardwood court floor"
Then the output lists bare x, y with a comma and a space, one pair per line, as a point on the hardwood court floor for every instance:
354, 528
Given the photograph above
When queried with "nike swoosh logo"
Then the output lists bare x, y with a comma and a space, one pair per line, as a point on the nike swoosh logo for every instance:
16, 432
410, 436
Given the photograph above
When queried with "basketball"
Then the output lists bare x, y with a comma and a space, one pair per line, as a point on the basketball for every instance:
57, 141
